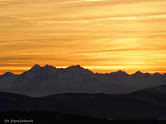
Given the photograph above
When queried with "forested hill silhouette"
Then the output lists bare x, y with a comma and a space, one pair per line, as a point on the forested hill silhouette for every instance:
147, 104
47, 80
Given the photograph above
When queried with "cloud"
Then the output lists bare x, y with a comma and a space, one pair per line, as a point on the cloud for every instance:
127, 33
4, 2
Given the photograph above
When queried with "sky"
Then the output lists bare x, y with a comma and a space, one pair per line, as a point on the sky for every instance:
101, 35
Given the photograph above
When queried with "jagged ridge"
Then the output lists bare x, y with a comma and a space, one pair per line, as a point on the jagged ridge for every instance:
47, 80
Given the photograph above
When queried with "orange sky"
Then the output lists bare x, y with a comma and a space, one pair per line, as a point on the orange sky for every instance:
101, 35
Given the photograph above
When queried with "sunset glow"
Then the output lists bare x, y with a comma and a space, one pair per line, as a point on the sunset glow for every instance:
101, 35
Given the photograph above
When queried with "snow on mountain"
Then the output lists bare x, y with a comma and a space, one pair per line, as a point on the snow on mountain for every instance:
47, 80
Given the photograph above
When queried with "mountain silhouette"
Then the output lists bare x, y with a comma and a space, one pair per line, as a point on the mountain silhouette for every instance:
35, 68
7, 74
42, 81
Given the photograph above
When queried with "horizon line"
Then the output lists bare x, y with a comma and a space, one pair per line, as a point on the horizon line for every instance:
85, 67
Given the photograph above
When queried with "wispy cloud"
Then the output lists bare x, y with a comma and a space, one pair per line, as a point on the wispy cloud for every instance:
98, 34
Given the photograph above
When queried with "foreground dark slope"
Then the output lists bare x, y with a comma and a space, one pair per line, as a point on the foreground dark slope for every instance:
145, 104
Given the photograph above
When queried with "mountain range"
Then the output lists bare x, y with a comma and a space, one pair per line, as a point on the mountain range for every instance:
48, 80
